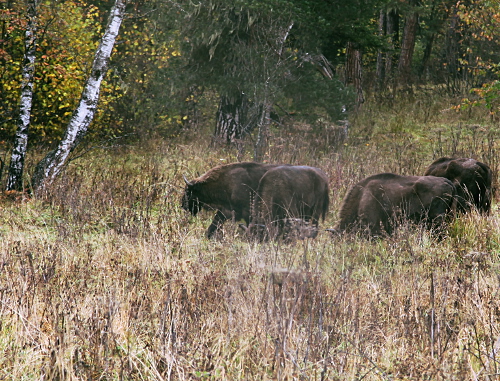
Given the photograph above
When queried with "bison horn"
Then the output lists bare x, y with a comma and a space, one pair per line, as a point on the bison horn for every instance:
333, 232
186, 180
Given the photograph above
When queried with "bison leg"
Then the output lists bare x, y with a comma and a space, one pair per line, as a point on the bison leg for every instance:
216, 224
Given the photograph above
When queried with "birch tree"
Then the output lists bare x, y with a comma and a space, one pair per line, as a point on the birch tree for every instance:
52, 164
14, 180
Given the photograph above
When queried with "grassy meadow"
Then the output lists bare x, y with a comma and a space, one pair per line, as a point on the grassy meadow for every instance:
106, 278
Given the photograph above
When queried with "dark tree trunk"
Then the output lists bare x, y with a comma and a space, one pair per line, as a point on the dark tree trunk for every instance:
231, 118
427, 56
435, 16
452, 53
16, 168
441, 11
353, 72
407, 49
392, 30
380, 69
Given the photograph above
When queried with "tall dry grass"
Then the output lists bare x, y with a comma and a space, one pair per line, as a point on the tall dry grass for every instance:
106, 278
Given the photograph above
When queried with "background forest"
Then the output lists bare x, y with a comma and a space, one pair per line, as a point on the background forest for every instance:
233, 69
104, 276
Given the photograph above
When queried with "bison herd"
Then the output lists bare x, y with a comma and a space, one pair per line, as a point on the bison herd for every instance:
275, 200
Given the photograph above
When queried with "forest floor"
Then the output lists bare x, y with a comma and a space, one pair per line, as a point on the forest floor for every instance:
106, 278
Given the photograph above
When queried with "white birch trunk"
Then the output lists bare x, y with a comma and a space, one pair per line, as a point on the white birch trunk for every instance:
263, 133
15, 177
50, 167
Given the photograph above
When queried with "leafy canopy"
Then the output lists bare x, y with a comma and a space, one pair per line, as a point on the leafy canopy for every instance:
269, 50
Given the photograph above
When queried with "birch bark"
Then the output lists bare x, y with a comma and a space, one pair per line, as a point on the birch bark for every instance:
50, 166
16, 167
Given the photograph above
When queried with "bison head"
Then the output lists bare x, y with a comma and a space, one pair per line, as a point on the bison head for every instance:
190, 201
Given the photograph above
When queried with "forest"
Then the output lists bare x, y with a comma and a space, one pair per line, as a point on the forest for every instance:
108, 106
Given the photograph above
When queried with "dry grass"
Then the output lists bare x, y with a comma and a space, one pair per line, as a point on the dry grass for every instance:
108, 279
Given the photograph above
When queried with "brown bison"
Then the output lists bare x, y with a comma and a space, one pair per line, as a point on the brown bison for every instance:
378, 203
290, 198
227, 189
471, 178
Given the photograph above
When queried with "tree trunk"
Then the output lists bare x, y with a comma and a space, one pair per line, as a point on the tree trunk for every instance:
407, 49
263, 133
434, 24
380, 69
424, 70
392, 30
353, 72
15, 177
50, 166
231, 118
452, 53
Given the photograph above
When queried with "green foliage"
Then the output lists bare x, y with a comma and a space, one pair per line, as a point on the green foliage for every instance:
67, 39
173, 56
312, 96
11, 57
485, 97
266, 50
146, 68
347, 21
481, 57
65, 51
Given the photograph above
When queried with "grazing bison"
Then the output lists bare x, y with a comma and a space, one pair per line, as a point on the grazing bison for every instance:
376, 204
226, 189
291, 198
471, 178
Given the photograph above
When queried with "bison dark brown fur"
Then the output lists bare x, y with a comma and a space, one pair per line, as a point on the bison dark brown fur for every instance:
376, 204
226, 189
287, 193
472, 180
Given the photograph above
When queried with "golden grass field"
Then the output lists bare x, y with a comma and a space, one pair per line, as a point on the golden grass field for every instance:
107, 278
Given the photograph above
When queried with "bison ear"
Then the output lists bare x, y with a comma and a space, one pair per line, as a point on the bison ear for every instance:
186, 180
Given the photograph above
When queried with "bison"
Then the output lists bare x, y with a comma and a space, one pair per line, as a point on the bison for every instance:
376, 204
472, 180
291, 198
226, 189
